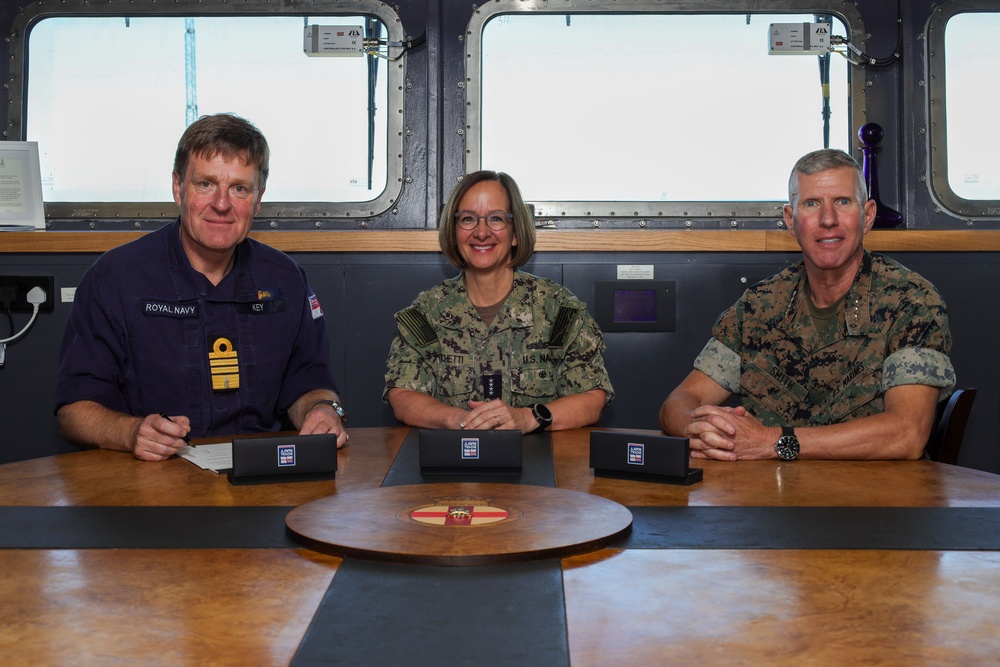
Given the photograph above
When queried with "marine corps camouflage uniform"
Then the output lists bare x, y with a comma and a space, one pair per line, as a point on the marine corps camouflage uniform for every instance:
542, 345
891, 329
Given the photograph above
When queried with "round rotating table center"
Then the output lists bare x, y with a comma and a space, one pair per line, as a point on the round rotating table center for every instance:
459, 524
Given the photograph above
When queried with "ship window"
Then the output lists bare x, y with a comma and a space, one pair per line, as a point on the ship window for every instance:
965, 139
588, 107
107, 98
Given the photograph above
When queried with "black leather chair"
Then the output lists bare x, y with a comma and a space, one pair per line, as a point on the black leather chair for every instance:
949, 428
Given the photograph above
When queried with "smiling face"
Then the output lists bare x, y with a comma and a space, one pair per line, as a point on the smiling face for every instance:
829, 223
483, 249
218, 199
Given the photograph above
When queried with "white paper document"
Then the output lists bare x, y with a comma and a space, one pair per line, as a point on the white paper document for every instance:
209, 457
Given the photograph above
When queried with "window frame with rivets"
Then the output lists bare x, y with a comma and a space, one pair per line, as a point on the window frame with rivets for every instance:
107, 96
964, 138
652, 117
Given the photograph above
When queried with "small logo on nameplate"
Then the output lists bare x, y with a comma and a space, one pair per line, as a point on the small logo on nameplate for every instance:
470, 448
636, 453
286, 455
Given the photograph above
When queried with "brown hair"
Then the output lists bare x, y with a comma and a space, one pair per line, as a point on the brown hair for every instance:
523, 221
227, 135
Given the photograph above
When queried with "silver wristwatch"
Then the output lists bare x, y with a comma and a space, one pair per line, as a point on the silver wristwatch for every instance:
337, 407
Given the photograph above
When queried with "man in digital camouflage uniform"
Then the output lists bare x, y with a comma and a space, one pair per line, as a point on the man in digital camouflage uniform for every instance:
843, 355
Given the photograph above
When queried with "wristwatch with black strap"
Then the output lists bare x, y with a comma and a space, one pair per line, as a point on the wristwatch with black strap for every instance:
787, 446
337, 407
542, 415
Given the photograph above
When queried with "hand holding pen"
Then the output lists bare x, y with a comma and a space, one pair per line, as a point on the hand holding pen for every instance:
184, 437
159, 436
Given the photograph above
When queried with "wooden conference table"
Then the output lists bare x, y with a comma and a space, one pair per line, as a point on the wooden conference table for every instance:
722, 584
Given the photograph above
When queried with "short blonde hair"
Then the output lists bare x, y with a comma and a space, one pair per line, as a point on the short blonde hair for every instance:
523, 220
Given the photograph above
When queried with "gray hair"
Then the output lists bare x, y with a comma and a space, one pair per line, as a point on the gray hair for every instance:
821, 160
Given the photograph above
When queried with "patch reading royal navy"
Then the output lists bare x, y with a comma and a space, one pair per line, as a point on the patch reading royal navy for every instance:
224, 364
636, 453
461, 512
163, 309
416, 323
560, 328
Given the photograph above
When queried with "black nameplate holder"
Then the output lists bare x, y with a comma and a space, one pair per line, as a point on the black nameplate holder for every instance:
462, 452
283, 458
651, 458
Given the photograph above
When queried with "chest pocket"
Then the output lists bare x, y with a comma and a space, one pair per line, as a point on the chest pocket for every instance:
456, 383
534, 381
859, 395
773, 389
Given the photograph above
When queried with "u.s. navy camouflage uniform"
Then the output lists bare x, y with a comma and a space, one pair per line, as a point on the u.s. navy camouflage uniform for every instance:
892, 329
542, 345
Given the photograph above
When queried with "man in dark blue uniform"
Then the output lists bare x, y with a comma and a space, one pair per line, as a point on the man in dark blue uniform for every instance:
195, 329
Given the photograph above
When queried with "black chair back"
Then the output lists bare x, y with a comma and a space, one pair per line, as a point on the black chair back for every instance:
949, 428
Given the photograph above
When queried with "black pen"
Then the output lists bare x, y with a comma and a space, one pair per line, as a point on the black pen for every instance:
184, 437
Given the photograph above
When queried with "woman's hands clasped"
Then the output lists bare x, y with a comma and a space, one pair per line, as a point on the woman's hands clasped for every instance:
495, 415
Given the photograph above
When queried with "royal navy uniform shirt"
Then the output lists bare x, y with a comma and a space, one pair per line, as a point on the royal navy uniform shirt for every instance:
149, 334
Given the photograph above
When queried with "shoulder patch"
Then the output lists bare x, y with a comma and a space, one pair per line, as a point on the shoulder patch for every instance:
560, 328
416, 323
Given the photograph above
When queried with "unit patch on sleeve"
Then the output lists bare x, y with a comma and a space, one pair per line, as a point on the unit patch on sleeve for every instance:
317, 310
416, 323
560, 328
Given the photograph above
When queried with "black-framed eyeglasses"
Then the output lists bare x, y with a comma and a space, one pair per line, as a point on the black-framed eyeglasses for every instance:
495, 220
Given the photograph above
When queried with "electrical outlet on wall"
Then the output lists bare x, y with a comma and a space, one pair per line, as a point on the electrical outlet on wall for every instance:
14, 292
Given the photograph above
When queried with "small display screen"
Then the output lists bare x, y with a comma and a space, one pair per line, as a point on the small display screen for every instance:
635, 305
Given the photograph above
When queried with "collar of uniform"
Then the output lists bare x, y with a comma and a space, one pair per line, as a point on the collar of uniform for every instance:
795, 320
190, 285
515, 314
856, 310
857, 301
245, 288
518, 309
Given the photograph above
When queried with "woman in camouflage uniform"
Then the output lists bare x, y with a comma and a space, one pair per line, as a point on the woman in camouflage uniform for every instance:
494, 347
